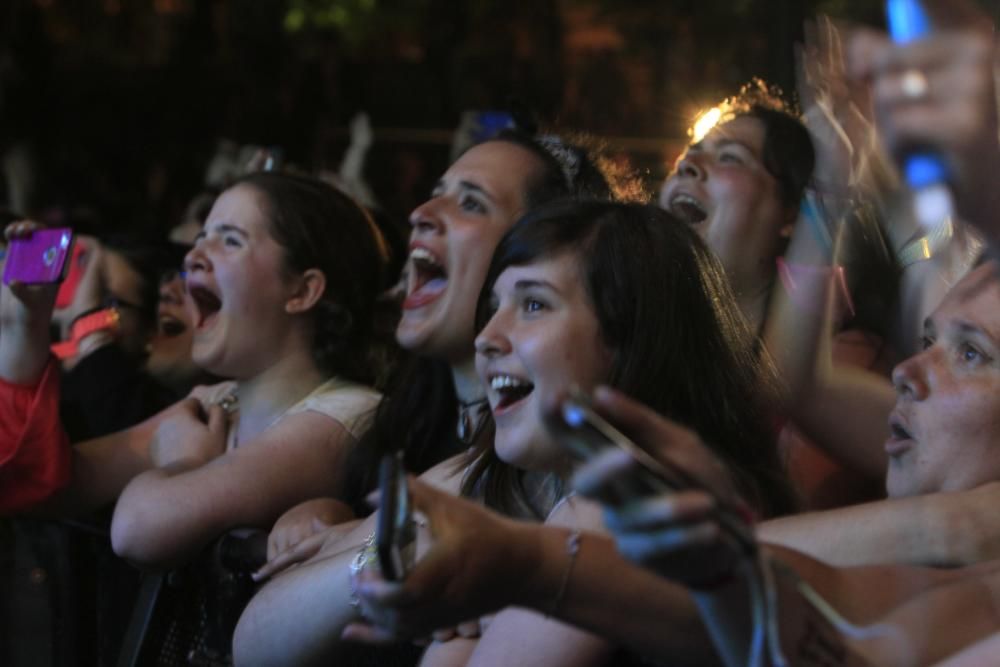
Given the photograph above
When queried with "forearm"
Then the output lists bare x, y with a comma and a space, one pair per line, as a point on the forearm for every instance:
606, 594
858, 441
930, 530
156, 524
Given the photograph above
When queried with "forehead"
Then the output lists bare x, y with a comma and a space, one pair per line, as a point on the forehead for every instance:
243, 206
744, 129
975, 299
501, 168
561, 271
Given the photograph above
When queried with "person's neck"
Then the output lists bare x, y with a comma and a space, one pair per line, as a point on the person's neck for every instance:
269, 394
753, 291
468, 387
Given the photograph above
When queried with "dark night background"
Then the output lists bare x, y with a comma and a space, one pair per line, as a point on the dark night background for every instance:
120, 103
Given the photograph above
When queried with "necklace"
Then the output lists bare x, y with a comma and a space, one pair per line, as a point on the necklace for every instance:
472, 419
230, 404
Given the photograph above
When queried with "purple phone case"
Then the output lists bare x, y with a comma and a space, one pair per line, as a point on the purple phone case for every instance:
39, 259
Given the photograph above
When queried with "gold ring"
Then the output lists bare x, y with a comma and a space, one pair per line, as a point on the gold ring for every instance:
914, 84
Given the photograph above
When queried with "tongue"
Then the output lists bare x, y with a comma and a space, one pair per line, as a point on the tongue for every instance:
427, 292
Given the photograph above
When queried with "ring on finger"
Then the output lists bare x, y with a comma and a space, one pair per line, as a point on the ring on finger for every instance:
914, 84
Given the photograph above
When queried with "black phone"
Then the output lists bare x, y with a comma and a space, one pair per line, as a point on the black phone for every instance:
585, 434
395, 532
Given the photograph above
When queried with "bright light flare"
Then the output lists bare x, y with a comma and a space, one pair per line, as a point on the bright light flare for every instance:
704, 123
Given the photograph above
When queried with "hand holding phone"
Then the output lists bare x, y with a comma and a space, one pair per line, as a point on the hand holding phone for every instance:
395, 533
586, 434
40, 258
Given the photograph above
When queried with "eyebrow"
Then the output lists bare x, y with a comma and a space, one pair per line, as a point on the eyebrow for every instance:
972, 329
721, 143
964, 327
464, 185
229, 227
527, 283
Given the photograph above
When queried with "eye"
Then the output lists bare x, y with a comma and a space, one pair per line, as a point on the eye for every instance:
232, 241
971, 354
471, 204
200, 236
926, 342
731, 158
532, 305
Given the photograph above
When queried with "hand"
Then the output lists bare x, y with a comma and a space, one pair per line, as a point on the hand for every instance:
836, 108
188, 435
675, 534
956, 116
479, 562
303, 521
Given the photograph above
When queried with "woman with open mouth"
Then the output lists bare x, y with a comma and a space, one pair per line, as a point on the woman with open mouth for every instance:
282, 285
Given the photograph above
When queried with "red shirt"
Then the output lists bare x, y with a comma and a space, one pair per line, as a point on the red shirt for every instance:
34, 449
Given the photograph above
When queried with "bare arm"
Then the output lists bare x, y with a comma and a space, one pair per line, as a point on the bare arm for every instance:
166, 514
297, 618
526, 637
942, 529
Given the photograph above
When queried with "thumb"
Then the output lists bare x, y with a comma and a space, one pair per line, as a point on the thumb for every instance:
432, 502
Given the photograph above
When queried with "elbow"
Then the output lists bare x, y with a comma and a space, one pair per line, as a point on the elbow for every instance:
136, 537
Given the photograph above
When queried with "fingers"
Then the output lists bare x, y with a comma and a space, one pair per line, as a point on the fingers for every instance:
659, 512
634, 419
300, 552
367, 634
22, 229
216, 419
599, 477
646, 547
469, 629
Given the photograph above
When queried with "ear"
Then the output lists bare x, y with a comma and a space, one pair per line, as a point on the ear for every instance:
788, 226
308, 289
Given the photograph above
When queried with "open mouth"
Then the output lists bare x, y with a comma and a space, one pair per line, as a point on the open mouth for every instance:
510, 391
900, 439
427, 278
170, 327
207, 305
687, 208
899, 432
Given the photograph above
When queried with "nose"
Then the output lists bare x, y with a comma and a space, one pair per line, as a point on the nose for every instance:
426, 217
689, 167
909, 377
196, 259
492, 341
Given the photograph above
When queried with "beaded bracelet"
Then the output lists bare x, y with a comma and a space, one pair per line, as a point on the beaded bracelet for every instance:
366, 555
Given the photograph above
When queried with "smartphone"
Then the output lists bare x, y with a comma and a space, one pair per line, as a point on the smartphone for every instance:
40, 258
395, 532
585, 434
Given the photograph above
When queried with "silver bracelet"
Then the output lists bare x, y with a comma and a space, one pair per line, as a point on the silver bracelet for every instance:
572, 549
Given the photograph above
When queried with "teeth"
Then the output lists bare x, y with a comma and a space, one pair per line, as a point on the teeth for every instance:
424, 255
688, 200
506, 381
